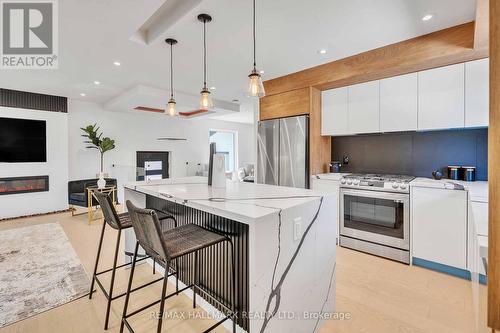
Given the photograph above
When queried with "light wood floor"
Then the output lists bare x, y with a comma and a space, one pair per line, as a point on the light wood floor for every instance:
379, 295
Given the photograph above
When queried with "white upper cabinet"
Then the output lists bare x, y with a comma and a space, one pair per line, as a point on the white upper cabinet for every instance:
364, 107
454, 96
477, 93
441, 98
334, 112
398, 103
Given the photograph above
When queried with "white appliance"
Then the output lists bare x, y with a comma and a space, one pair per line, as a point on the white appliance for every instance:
219, 171
375, 215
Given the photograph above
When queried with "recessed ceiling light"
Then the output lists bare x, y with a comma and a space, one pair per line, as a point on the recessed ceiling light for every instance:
261, 72
427, 17
322, 51
97, 82
117, 63
213, 88
83, 94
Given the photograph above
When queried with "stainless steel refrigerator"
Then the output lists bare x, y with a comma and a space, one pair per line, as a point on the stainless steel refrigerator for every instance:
283, 152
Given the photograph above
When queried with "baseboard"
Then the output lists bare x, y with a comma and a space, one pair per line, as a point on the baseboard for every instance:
450, 270
35, 215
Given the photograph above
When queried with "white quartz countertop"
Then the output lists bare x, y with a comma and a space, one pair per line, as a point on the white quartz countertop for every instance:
239, 201
478, 190
331, 176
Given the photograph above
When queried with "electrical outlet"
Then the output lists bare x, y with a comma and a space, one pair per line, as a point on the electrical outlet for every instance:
297, 228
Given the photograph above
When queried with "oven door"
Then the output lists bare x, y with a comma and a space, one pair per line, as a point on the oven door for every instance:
374, 216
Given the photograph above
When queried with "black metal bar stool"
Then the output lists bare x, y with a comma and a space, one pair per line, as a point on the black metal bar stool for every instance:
169, 245
118, 222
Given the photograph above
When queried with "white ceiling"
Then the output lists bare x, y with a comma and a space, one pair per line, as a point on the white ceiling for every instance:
94, 33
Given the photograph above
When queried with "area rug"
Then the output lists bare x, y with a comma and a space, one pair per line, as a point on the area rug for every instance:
39, 270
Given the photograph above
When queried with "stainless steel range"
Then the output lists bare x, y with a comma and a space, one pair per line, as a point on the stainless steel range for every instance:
375, 214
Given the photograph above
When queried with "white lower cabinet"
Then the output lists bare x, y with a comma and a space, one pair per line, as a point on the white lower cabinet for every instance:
330, 187
439, 226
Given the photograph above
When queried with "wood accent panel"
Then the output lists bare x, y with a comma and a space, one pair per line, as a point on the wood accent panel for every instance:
192, 113
287, 104
148, 109
494, 176
481, 25
440, 48
320, 147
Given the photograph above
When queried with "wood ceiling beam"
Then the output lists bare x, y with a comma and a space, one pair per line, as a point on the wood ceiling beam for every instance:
440, 48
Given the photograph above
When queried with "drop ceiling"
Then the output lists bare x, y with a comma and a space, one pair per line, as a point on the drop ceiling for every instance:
95, 33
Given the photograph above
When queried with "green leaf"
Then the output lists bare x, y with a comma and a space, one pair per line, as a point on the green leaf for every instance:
96, 139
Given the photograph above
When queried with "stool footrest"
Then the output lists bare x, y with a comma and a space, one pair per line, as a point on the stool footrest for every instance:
121, 266
156, 302
232, 314
105, 292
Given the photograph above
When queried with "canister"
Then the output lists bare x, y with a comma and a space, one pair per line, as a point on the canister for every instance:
469, 173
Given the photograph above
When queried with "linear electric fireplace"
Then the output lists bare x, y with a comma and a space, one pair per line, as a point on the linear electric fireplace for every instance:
15, 185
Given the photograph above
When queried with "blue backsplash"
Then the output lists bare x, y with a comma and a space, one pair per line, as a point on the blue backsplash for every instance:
414, 153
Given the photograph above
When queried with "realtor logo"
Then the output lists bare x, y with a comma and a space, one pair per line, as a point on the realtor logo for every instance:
29, 34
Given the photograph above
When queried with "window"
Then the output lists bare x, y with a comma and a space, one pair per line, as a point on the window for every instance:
226, 143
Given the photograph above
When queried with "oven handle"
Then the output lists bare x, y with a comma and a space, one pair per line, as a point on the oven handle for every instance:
397, 197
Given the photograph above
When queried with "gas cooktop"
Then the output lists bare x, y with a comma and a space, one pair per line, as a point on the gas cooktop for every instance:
380, 182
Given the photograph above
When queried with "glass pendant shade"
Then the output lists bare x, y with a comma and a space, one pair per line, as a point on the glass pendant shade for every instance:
205, 100
255, 86
171, 102
171, 108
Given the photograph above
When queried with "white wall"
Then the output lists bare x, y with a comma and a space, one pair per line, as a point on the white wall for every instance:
56, 168
133, 132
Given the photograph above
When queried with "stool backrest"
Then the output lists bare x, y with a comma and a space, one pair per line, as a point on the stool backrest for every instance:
147, 230
108, 209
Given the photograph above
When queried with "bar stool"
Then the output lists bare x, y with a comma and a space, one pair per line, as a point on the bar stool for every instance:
118, 222
167, 246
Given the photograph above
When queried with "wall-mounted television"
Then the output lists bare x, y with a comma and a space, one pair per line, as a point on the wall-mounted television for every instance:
23, 140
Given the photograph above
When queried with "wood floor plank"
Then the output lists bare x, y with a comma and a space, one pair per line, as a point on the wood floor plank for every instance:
380, 295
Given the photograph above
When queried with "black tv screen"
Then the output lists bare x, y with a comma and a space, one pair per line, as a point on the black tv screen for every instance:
22, 140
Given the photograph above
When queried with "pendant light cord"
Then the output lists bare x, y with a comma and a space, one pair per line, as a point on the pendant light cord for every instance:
171, 72
254, 42
204, 55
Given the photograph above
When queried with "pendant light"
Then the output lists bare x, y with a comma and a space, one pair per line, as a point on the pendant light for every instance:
255, 86
171, 102
205, 100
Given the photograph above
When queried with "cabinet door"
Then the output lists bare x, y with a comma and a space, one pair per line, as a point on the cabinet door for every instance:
441, 98
479, 211
364, 108
477, 93
439, 224
398, 103
334, 108
330, 187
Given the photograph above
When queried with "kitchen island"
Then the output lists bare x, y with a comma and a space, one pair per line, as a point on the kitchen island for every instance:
284, 241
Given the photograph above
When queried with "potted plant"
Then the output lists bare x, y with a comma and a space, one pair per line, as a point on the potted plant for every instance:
103, 144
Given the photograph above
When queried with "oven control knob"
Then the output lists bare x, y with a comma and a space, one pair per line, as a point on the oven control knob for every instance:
395, 185
342, 181
349, 181
403, 186
355, 181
